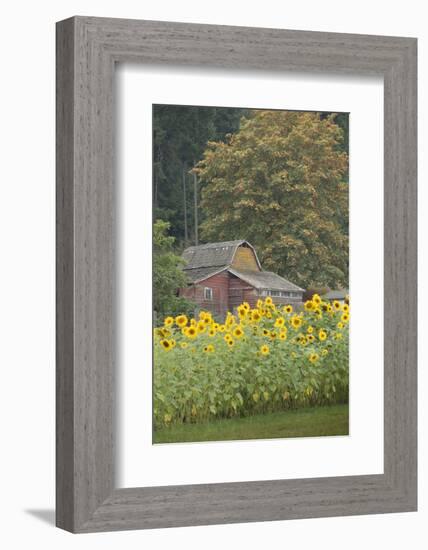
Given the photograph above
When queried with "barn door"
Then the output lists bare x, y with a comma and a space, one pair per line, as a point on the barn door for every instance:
236, 297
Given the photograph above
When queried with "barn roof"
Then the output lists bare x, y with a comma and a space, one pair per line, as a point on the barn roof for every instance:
202, 273
206, 260
212, 254
266, 280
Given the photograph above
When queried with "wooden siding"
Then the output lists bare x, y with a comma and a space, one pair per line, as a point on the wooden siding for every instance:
219, 283
244, 259
240, 291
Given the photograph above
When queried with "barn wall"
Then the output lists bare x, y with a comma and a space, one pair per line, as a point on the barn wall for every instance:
240, 291
244, 259
219, 304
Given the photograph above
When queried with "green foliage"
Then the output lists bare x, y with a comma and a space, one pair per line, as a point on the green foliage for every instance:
167, 274
199, 377
280, 183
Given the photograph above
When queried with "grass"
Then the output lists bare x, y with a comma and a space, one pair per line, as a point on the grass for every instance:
308, 422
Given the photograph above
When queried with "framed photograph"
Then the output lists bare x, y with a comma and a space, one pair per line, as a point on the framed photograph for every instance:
236, 274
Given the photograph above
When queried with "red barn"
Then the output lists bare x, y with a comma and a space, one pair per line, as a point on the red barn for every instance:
223, 275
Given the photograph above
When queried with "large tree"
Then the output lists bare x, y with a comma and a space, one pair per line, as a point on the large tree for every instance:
280, 183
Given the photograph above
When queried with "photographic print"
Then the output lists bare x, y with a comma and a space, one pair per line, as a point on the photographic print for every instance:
251, 301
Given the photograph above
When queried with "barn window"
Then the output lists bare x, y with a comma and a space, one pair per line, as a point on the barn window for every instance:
208, 293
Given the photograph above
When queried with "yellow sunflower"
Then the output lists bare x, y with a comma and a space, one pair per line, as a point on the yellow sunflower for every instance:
168, 321
166, 344
288, 309
181, 321
296, 321
313, 358
322, 335
255, 315
264, 350
238, 332
268, 301
309, 305
280, 322
191, 332
209, 348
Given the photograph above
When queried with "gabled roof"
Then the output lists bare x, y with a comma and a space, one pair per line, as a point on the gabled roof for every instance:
266, 280
213, 254
206, 260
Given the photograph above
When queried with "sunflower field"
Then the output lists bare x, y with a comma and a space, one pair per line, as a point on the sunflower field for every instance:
260, 360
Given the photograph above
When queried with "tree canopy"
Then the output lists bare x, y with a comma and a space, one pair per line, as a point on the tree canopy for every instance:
280, 182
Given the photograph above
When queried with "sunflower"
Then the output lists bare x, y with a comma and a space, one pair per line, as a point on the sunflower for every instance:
266, 332
173, 342
193, 322
246, 305
301, 339
259, 304
181, 321
184, 345
345, 308
288, 309
231, 320
168, 321
264, 350
313, 358
336, 305
324, 352
309, 305
340, 325
227, 337
268, 301
296, 321
273, 335
280, 322
166, 344
255, 315
191, 332
209, 348
310, 329
322, 335
283, 335
310, 338
316, 299
212, 332
201, 327
238, 332
221, 328
230, 343
338, 336
242, 313
345, 317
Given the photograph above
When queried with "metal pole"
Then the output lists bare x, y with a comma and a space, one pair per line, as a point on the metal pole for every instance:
195, 193
186, 236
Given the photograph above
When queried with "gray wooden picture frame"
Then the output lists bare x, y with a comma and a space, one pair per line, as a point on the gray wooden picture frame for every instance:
87, 51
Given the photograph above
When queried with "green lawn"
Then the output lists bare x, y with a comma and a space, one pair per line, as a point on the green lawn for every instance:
309, 422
